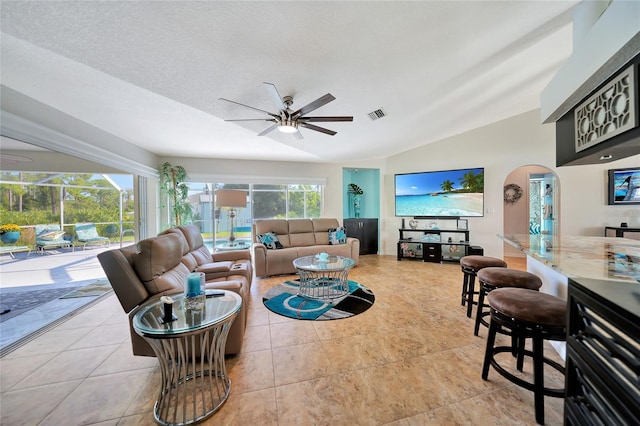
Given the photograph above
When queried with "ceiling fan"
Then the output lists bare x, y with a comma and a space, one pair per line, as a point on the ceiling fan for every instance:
288, 121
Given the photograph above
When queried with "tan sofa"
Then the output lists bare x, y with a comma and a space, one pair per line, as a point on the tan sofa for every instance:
159, 265
299, 237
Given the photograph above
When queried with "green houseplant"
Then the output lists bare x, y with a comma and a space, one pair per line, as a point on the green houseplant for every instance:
173, 184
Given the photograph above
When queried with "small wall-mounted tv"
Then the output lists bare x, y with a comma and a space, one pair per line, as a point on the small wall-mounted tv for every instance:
446, 193
624, 186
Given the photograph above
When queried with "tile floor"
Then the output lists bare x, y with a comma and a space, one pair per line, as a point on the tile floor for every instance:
411, 359
60, 271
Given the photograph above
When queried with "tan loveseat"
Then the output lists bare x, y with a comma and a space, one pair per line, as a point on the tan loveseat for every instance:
159, 265
299, 237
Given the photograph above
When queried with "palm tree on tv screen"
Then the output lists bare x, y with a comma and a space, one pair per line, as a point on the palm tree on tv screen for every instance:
472, 182
447, 186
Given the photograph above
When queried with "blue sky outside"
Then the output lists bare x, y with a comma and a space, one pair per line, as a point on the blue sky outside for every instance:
123, 181
429, 182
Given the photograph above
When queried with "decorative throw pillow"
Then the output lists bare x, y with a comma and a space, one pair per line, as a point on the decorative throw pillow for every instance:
270, 240
337, 236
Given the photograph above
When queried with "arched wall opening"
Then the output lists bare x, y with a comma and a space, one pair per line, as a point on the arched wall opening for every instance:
531, 207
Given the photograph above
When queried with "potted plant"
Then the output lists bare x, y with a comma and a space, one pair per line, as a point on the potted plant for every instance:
9, 233
357, 192
173, 183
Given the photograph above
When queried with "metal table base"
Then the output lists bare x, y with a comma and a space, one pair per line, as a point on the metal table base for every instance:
324, 285
194, 378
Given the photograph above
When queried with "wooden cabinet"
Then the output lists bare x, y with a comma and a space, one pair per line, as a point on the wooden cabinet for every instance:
603, 353
366, 230
431, 252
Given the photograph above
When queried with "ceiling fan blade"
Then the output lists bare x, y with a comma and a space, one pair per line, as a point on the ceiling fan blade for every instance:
323, 100
319, 119
269, 129
247, 106
253, 119
273, 92
317, 129
298, 135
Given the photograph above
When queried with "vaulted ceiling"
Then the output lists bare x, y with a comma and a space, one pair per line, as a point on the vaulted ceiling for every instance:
151, 72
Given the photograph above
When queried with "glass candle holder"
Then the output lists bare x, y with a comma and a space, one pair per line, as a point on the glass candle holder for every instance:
194, 296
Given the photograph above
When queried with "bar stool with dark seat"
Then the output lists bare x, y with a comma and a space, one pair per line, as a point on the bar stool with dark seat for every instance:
493, 278
526, 314
470, 266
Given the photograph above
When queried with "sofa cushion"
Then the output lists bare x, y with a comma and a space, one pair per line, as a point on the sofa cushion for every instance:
158, 263
280, 227
270, 240
184, 243
301, 233
321, 227
323, 224
337, 236
300, 226
303, 240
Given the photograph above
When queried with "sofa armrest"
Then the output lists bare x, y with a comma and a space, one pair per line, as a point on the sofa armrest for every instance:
214, 267
231, 255
260, 259
355, 248
215, 270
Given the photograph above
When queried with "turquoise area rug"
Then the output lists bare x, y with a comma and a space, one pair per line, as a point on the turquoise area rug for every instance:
283, 300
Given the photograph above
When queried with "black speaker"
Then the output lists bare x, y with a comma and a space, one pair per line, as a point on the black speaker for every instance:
475, 251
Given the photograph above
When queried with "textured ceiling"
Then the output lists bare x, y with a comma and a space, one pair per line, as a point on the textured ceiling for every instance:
151, 72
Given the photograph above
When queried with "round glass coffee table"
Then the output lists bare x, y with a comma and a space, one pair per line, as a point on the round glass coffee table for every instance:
190, 351
323, 279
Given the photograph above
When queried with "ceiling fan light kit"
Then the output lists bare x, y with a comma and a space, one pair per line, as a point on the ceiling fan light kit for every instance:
288, 121
288, 126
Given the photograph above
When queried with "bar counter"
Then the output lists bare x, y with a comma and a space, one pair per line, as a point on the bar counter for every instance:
601, 258
557, 259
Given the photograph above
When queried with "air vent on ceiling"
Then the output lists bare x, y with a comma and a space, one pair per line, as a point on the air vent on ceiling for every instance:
379, 113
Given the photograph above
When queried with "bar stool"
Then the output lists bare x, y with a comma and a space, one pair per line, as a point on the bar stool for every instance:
470, 266
492, 278
526, 314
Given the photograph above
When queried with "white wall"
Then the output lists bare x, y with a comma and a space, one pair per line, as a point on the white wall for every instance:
501, 148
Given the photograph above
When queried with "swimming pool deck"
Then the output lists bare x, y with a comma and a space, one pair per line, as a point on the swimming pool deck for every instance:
58, 269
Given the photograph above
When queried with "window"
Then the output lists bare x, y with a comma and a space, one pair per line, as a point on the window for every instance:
264, 201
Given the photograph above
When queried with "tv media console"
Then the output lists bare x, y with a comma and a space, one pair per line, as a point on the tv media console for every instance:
435, 245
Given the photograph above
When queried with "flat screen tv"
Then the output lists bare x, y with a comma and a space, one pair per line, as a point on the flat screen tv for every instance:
624, 186
446, 193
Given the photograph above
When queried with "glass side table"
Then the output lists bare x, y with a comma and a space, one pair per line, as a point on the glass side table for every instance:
190, 351
323, 279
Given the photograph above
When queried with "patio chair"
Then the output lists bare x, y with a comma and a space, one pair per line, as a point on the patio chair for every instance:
50, 236
86, 234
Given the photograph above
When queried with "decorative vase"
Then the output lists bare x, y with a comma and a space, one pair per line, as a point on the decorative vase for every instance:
10, 237
356, 206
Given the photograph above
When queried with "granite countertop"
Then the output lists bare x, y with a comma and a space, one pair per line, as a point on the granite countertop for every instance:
607, 258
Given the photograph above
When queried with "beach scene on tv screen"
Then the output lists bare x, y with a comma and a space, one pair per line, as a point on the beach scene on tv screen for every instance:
627, 186
440, 194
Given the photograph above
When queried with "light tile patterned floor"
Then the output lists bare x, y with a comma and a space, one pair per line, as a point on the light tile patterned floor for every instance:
411, 359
